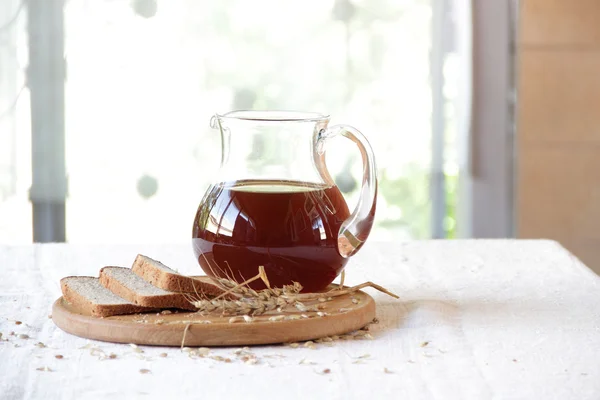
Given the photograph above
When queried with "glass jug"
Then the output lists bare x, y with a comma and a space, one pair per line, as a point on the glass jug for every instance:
273, 202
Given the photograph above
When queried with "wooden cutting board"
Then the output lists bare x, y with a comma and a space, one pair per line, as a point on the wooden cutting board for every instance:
340, 315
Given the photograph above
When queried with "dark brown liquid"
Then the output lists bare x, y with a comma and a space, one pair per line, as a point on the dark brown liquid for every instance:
290, 228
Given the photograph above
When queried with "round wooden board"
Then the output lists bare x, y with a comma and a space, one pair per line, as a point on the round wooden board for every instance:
343, 315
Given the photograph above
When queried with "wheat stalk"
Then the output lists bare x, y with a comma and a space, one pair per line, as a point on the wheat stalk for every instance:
253, 302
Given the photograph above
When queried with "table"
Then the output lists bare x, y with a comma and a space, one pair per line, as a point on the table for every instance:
477, 319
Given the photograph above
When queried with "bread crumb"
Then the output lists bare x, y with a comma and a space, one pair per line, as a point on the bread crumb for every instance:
40, 345
424, 344
387, 371
112, 356
18, 322
326, 371
163, 355
144, 371
46, 369
166, 312
23, 336
59, 357
294, 345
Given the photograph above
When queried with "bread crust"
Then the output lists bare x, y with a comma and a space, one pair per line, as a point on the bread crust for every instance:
146, 268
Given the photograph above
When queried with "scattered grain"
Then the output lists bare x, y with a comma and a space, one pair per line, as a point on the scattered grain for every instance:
166, 312
326, 371
144, 371
220, 358
112, 356
18, 322
23, 336
387, 371
40, 345
424, 344
59, 357
45, 369
294, 345
163, 355
203, 351
310, 345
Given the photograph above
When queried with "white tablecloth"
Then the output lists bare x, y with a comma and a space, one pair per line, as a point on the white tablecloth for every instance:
477, 319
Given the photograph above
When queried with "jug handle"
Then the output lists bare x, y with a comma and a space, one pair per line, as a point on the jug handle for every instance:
354, 231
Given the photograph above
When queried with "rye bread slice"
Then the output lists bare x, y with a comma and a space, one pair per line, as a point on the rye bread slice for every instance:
161, 276
89, 297
124, 283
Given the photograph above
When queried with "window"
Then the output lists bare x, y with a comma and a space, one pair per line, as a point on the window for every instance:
144, 77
